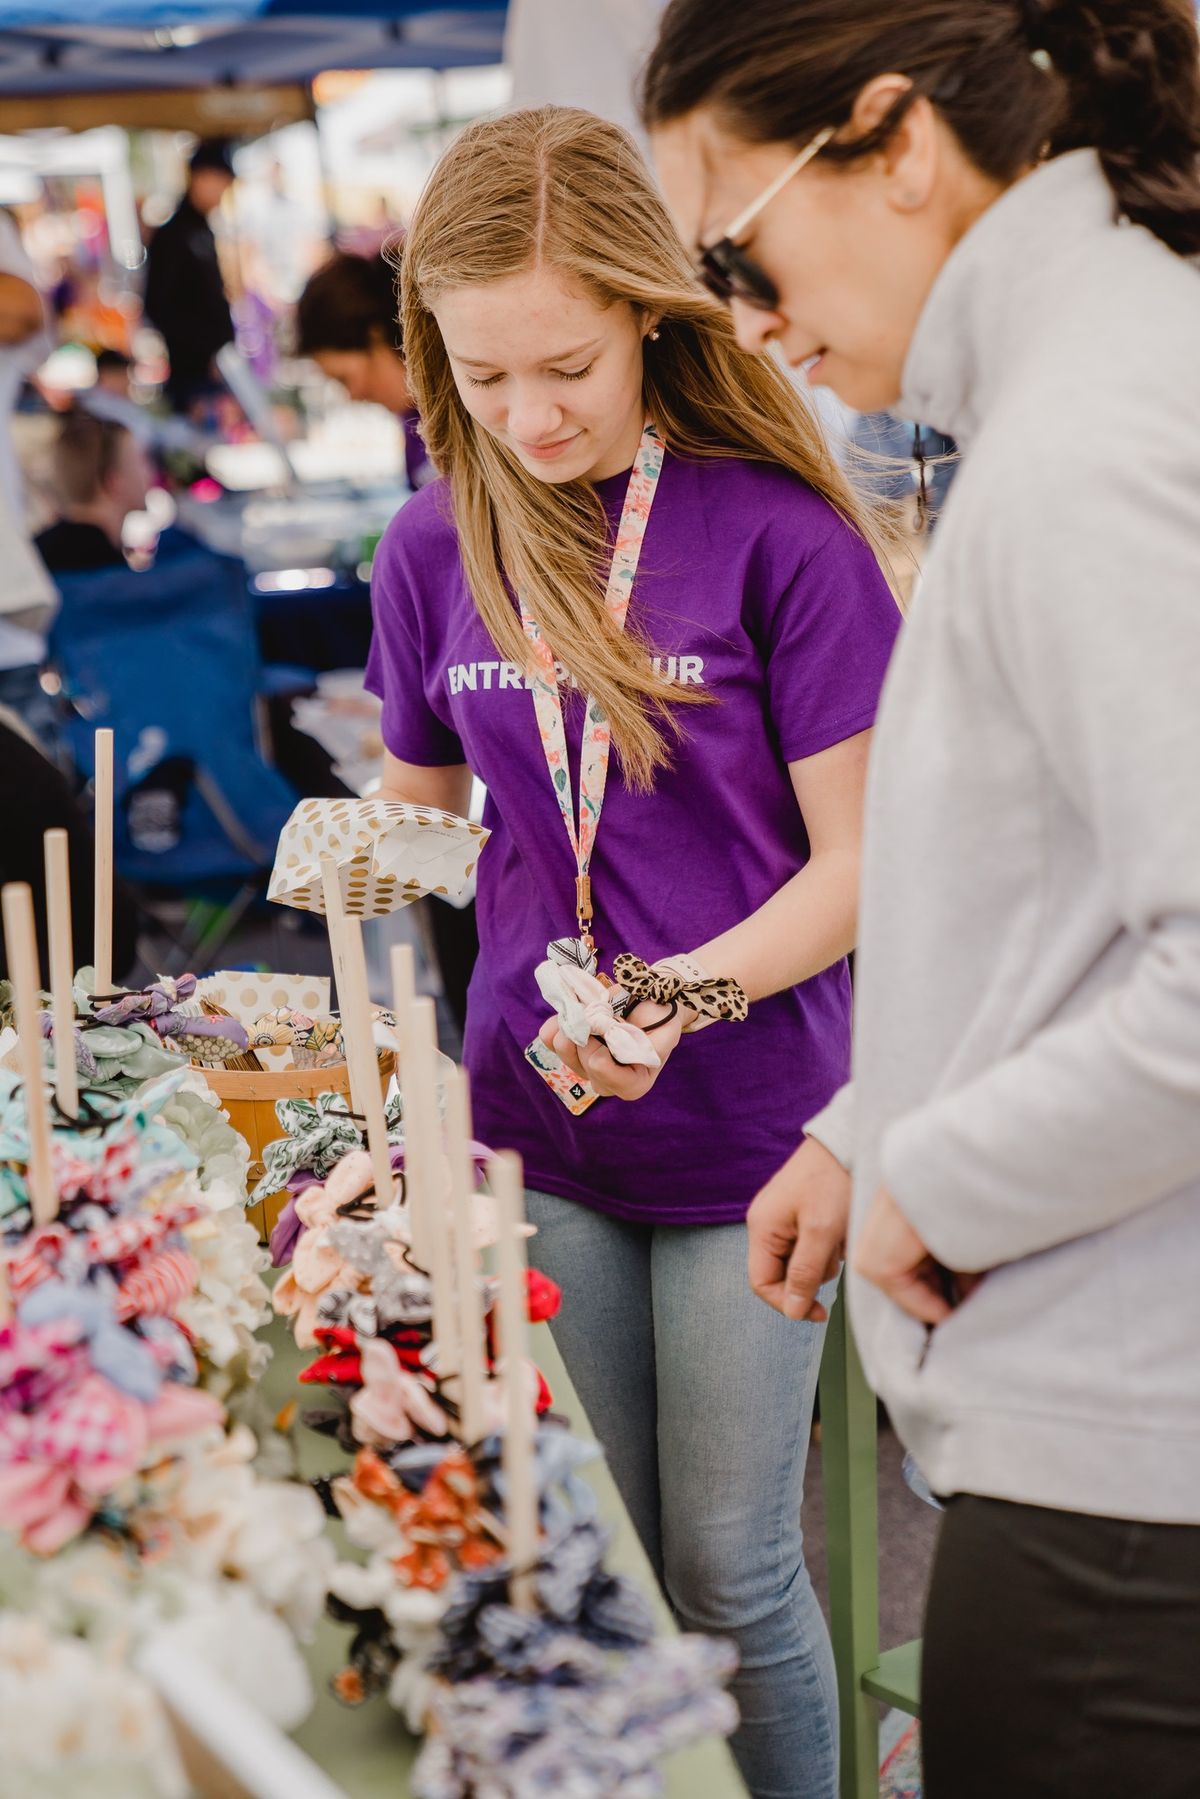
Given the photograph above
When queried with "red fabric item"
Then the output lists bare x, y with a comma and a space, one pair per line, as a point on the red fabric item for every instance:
545, 1296
343, 1369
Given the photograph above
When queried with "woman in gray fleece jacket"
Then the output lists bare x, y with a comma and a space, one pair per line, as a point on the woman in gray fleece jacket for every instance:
983, 211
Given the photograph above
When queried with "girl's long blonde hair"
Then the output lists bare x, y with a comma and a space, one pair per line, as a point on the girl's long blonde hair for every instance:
561, 188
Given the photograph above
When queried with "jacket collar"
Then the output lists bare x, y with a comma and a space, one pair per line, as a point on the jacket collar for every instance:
983, 308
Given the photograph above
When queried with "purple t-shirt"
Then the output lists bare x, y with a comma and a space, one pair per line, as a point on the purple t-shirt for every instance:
753, 588
418, 470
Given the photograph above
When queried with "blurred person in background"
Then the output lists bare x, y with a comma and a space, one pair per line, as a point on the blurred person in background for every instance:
185, 297
110, 397
26, 598
346, 322
114, 372
37, 798
24, 343
101, 473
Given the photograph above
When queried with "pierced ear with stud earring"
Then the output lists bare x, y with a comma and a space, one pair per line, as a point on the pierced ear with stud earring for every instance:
654, 334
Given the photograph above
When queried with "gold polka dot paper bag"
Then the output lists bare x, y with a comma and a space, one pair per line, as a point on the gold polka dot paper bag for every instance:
387, 854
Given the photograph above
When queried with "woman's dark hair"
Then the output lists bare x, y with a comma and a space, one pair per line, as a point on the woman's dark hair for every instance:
1014, 79
349, 304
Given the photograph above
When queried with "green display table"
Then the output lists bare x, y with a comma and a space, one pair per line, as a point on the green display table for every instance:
849, 1470
367, 1751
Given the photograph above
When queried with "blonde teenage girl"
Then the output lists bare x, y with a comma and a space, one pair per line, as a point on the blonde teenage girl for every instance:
643, 607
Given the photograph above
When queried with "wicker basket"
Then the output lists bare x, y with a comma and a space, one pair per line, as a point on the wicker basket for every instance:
249, 1096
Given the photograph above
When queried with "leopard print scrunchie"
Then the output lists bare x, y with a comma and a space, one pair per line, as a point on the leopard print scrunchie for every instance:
713, 998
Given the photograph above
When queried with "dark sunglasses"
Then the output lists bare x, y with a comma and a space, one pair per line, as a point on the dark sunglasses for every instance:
725, 268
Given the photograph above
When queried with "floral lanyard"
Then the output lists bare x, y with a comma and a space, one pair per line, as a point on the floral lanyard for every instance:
597, 734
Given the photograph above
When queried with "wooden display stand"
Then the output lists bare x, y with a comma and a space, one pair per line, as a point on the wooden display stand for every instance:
249, 1097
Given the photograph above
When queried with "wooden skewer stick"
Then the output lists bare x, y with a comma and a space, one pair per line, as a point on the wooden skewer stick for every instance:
466, 1256
403, 993
20, 948
62, 968
102, 947
521, 1505
420, 1103
428, 1181
354, 1007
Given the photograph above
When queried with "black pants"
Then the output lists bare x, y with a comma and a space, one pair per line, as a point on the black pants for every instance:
1062, 1657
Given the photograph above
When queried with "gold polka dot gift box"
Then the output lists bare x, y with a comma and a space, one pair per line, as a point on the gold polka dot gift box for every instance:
386, 853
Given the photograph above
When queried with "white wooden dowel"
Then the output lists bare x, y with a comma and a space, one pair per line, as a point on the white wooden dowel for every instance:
354, 1008
466, 1256
62, 968
403, 993
419, 1041
521, 1506
102, 947
404, 987
20, 948
429, 1182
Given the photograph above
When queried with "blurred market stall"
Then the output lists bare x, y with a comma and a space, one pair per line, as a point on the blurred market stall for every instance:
228, 66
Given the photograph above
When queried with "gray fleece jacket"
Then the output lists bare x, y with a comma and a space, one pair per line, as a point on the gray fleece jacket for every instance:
1027, 1039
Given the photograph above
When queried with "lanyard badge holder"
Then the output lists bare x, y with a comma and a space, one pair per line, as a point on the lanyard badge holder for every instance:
574, 1092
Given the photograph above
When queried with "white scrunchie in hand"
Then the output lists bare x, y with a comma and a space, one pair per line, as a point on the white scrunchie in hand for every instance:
584, 1010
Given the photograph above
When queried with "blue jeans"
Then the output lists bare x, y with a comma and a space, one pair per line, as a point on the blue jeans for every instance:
702, 1399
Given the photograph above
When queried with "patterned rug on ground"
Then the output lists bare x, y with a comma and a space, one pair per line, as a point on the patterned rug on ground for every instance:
900, 1775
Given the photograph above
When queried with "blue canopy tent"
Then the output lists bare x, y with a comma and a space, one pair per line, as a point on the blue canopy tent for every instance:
55, 48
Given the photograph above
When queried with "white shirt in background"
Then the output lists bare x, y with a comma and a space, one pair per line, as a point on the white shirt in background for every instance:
16, 362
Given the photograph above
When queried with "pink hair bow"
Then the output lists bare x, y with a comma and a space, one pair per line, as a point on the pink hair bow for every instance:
58, 1463
316, 1265
392, 1405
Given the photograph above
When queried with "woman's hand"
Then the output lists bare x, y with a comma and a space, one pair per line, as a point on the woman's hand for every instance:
797, 1231
609, 1077
892, 1257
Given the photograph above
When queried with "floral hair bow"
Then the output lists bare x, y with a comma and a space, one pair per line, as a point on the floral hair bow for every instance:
317, 1266
160, 1005
116, 1153
317, 1134
441, 1529
314, 1042
392, 1405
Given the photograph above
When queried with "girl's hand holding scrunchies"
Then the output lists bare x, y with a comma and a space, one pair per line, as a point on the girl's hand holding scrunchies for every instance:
594, 1062
584, 1034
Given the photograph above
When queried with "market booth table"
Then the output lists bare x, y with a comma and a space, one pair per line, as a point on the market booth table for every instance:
308, 560
368, 1751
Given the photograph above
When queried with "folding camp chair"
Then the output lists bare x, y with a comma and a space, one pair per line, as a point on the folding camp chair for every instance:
167, 658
